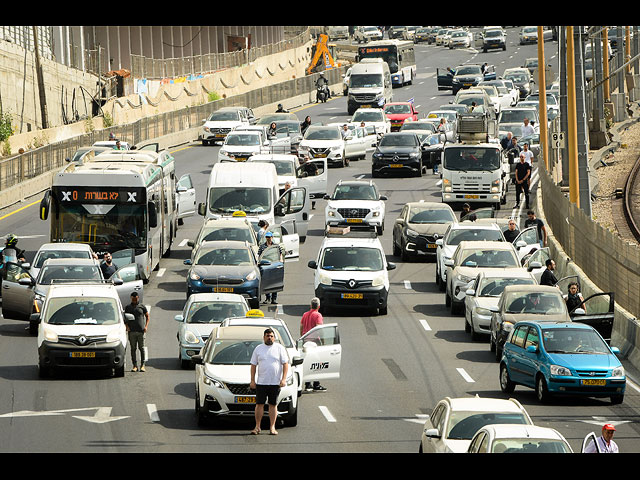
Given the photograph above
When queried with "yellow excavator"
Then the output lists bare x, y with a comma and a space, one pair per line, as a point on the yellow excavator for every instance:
322, 58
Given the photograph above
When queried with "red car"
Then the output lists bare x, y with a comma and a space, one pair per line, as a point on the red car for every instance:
399, 112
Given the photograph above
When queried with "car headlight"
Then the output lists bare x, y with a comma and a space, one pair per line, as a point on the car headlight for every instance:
325, 280
336, 148
377, 155
331, 212
223, 152
206, 129
194, 276
375, 213
411, 233
618, 372
483, 311
303, 148
251, 277
190, 337
113, 336
463, 278
378, 281
415, 154
446, 185
558, 370
495, 186
50, 336
212, 381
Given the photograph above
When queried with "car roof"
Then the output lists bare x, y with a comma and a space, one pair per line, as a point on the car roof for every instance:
434, 205
506, 430
492, 244
244, 332
83, 290
531, 288
65, 246
512, 273
474, 225
216, 297
224, 243
71, 261
483, 404
227, 221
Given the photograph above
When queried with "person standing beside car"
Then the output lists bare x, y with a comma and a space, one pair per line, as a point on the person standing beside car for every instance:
137, 331
309, 320
604, 443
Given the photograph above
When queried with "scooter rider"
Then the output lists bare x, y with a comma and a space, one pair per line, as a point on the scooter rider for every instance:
323, 83
10, 253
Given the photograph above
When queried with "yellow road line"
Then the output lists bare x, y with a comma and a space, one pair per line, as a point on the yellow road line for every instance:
20, 209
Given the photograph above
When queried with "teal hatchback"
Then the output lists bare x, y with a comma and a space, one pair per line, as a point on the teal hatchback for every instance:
561, 359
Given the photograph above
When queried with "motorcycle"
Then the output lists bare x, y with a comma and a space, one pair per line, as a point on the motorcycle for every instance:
322, 93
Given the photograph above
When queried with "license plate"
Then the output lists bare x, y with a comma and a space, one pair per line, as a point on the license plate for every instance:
354, 296
320, 155
220, 135
241, 159
82, 354
245, 399
223, 289
471, 196
596, 383
354, 220
395, 165
467, 84
432, 245
365, 106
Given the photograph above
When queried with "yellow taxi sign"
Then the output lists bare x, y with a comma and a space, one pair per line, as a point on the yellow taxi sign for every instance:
255, 313
239, 213
432, 115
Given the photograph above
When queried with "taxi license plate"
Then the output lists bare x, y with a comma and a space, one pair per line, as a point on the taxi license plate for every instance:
354, 220
354, 296
596, 383
223, 289
82, 354
471, 196
395, 165
245, 399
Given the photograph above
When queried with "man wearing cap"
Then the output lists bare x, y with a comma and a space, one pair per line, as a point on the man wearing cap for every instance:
605, 443
137, 330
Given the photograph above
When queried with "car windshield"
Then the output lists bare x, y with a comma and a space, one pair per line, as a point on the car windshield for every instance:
460, 235
241, 234
288, 127
241, 139
365, 80
530, 29
61, 273
472, 159
230, 199
351, 258
487, 258
574, 340
464, 425
224, 117
47, 254
322, 133
355, 192
214, 312
545, 303
368, 115
283, 167
458, 34
397, 109
223, 256
427, 215
469, 70
493, 287
493, 33
416, 126
515, 116
517, 77
82, 310
529, 445
232, 352
391, 140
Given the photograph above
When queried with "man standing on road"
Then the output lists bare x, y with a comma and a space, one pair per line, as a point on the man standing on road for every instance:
548, 277
532, 221
309, 320
605, 443
107, 266
137, 331
523, 173
527, 129
271, 361
512, 232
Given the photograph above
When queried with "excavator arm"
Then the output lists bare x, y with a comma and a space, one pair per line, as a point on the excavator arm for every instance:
322, 59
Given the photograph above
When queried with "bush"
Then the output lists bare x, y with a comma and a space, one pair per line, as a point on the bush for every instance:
5, 126
213, 96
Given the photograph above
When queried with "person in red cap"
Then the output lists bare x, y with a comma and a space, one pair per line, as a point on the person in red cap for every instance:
605, 443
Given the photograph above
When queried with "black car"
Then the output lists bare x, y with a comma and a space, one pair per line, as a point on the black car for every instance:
398, 152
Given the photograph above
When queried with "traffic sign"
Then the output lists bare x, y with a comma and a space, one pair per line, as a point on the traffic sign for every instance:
557, 140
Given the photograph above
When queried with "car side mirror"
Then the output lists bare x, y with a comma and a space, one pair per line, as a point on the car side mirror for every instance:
448, 263
312, 264
383, 197
197, 359
521, 244
187, 262
297, 361
191, 244
579, 311
494, 310
34, 317
179, 318
533, 265
439, 242
327, 197
470, 292
391, 266
532, 349
27, 282
264, 263
432, 433
128, 317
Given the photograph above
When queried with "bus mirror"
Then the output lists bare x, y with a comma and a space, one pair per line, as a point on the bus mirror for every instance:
44, 205
153, 216
202, 209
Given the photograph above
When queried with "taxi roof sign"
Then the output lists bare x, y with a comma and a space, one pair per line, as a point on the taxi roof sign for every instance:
255, 313
239, 213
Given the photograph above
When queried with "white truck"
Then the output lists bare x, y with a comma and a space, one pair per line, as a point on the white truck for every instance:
474, 169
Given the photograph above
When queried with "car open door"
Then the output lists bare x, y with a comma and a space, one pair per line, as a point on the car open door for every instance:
490, 73
123, 257
599, 312
285, 235
536, 263
320, 347
294, 204
131, 282
186, 197
590, 438
271, 264
313, 175
478, 39
527, 242
154, 147
444, 78
17, 291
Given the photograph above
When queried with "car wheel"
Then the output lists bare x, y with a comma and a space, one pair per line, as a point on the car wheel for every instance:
396, 250
467, 327
506, 385
118, 372
383, 310
291, 420
44, 372
542, 392
492, 344
617, 399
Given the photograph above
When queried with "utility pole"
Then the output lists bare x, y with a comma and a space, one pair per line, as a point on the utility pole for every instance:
574, 194
40, 77
542, 96
564, 151
582, 138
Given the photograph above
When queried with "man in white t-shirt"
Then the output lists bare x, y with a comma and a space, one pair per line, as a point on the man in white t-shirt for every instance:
271, 362
527, 129
528, 154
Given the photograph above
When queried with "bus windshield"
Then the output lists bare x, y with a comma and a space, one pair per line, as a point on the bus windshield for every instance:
389, 53
231, 199
471, 159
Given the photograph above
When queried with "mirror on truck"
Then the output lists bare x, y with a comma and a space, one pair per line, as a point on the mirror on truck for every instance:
202, 209
44, 205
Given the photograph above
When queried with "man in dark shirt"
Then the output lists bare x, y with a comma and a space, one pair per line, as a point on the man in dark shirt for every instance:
512, 233
548, 277
137, 330
107, 266
523, 172
532, 221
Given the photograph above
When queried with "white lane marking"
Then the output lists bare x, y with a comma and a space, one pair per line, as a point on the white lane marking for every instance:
161, 272
153, 412
407, 284
465, 375
183, 242
327, 414
425, 325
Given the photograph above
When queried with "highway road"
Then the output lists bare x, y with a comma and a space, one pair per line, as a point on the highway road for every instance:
395, 368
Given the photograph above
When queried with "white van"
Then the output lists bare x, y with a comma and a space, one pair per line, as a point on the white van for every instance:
253, 188
369, 85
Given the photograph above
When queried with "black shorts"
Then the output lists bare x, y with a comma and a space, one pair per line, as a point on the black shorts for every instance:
267, 394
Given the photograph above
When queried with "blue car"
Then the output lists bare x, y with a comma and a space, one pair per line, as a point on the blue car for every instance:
565, 358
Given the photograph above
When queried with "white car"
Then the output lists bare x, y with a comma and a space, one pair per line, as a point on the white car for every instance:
367, 34
238, 146
59, 250
454, 421
514, 91
469, 259
319, 347
351, 272
518, 439
483, 294
223, 376
200, 315
494, 96
358, 141
460, 38
356, 203
321, 141
82, 326
372, 116
456, 233
216, 127
286, 167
